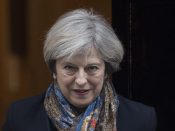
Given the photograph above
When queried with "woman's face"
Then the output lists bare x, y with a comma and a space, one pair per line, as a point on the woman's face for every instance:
81, 78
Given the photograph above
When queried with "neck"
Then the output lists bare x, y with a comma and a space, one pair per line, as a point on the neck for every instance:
78, 110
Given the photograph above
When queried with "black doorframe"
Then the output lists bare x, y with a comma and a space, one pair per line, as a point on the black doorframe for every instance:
146, 29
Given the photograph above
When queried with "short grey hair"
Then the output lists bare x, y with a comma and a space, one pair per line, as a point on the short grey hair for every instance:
79, 30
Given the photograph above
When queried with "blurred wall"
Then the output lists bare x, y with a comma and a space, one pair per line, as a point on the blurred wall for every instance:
23, 26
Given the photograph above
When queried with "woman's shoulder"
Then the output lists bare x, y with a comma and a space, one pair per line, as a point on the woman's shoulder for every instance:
26, 113
134, 108
28, 102
136, 115
27, 106
132, 105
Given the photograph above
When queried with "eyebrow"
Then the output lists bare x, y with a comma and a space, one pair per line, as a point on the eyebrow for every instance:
93, 64
68, 63
89, 64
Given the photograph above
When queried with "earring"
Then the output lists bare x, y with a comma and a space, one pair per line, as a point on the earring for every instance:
54, 76
54, 79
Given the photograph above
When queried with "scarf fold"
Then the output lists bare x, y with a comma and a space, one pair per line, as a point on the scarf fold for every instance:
100, 115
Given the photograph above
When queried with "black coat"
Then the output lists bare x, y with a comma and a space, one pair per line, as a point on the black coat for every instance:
29, 115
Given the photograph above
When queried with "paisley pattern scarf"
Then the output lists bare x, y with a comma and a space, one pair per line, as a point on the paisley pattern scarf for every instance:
100, 115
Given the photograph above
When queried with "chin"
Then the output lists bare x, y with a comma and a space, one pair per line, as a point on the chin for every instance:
80, 103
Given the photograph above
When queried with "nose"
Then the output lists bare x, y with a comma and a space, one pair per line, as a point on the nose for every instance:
81, 78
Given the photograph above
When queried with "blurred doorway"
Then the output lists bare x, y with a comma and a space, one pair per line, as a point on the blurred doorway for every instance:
147, 29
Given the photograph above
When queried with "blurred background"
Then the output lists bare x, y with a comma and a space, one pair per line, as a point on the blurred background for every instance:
23, 26
145, 27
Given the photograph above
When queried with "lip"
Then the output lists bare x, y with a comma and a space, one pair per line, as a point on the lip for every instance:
80, 92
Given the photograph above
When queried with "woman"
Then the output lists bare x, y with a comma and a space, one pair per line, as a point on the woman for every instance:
81, 51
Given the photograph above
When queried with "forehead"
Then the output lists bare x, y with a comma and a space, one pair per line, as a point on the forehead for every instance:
85, 56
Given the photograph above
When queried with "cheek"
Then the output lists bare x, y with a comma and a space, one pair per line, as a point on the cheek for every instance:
64, 80
97, 81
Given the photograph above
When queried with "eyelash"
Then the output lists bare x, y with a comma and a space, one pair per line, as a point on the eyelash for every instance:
90, 69
69, 67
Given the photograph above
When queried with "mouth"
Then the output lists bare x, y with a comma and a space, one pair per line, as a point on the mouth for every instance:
81, 92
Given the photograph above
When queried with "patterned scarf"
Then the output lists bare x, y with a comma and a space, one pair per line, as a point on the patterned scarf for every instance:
100, 115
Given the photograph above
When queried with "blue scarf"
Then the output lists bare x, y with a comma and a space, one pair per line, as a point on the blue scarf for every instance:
64, 118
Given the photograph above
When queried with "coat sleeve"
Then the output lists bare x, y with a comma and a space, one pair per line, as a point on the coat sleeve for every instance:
9, 121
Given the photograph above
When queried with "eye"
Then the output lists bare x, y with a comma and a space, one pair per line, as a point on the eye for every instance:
92, 68
70, 69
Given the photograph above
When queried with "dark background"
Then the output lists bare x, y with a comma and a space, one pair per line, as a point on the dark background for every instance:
147, 30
